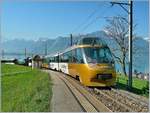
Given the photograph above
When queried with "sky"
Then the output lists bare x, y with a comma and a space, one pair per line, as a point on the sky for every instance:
48, 19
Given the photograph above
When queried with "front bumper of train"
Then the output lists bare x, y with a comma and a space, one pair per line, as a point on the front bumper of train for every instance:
100, 77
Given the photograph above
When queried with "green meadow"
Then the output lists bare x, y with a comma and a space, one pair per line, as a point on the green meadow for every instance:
30, 91
139, 86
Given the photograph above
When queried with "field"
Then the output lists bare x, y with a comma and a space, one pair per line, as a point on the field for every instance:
30, 91
8, 68
139, 86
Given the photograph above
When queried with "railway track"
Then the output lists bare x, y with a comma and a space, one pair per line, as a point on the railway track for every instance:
105, 100
117, 101
143, 100
88, 101
120, 101
135, 100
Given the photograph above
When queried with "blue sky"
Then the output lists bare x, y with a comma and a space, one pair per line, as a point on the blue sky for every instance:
36, 19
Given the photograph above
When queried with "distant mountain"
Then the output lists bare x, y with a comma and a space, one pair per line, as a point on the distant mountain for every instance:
38, 46
55, 45
59, 44
19, 45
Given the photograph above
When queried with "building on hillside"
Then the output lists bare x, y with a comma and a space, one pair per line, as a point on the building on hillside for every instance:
37, 61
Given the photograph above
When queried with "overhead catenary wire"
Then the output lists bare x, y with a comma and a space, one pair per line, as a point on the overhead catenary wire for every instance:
88, 18
95, 19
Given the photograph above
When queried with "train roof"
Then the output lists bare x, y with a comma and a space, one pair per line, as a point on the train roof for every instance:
52, 55
87, 42
80, 46
91, 41
84, 42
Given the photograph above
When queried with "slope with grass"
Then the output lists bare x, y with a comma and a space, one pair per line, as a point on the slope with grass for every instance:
29, 92
139, 86
8, 68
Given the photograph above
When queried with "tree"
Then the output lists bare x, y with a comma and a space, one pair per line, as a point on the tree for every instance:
117, 29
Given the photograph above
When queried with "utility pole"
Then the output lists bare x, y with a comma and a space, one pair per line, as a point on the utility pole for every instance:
130, 19
130, 44
70, 39
25, 53
3, 53
45, 48
32, 55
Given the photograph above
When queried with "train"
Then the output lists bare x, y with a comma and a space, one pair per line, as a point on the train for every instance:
90, 61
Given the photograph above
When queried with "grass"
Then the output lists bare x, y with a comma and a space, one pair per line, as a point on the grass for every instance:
26, 92
139, 86
8, 68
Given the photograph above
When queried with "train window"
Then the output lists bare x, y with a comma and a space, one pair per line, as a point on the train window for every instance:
98, 55
60, 59
44, 60
56, 59
74, 56
79, 56
92, 41
47, 60
52, 59
69, 56
65, 58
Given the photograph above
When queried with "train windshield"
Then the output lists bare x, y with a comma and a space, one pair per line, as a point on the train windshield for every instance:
98, 55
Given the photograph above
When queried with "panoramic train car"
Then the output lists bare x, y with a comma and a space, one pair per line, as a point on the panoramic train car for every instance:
90, 61
45, 63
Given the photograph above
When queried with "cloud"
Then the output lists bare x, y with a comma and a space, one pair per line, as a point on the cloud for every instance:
146, 38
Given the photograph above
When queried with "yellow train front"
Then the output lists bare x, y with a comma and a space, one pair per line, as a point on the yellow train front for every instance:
96, 68
90, 61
